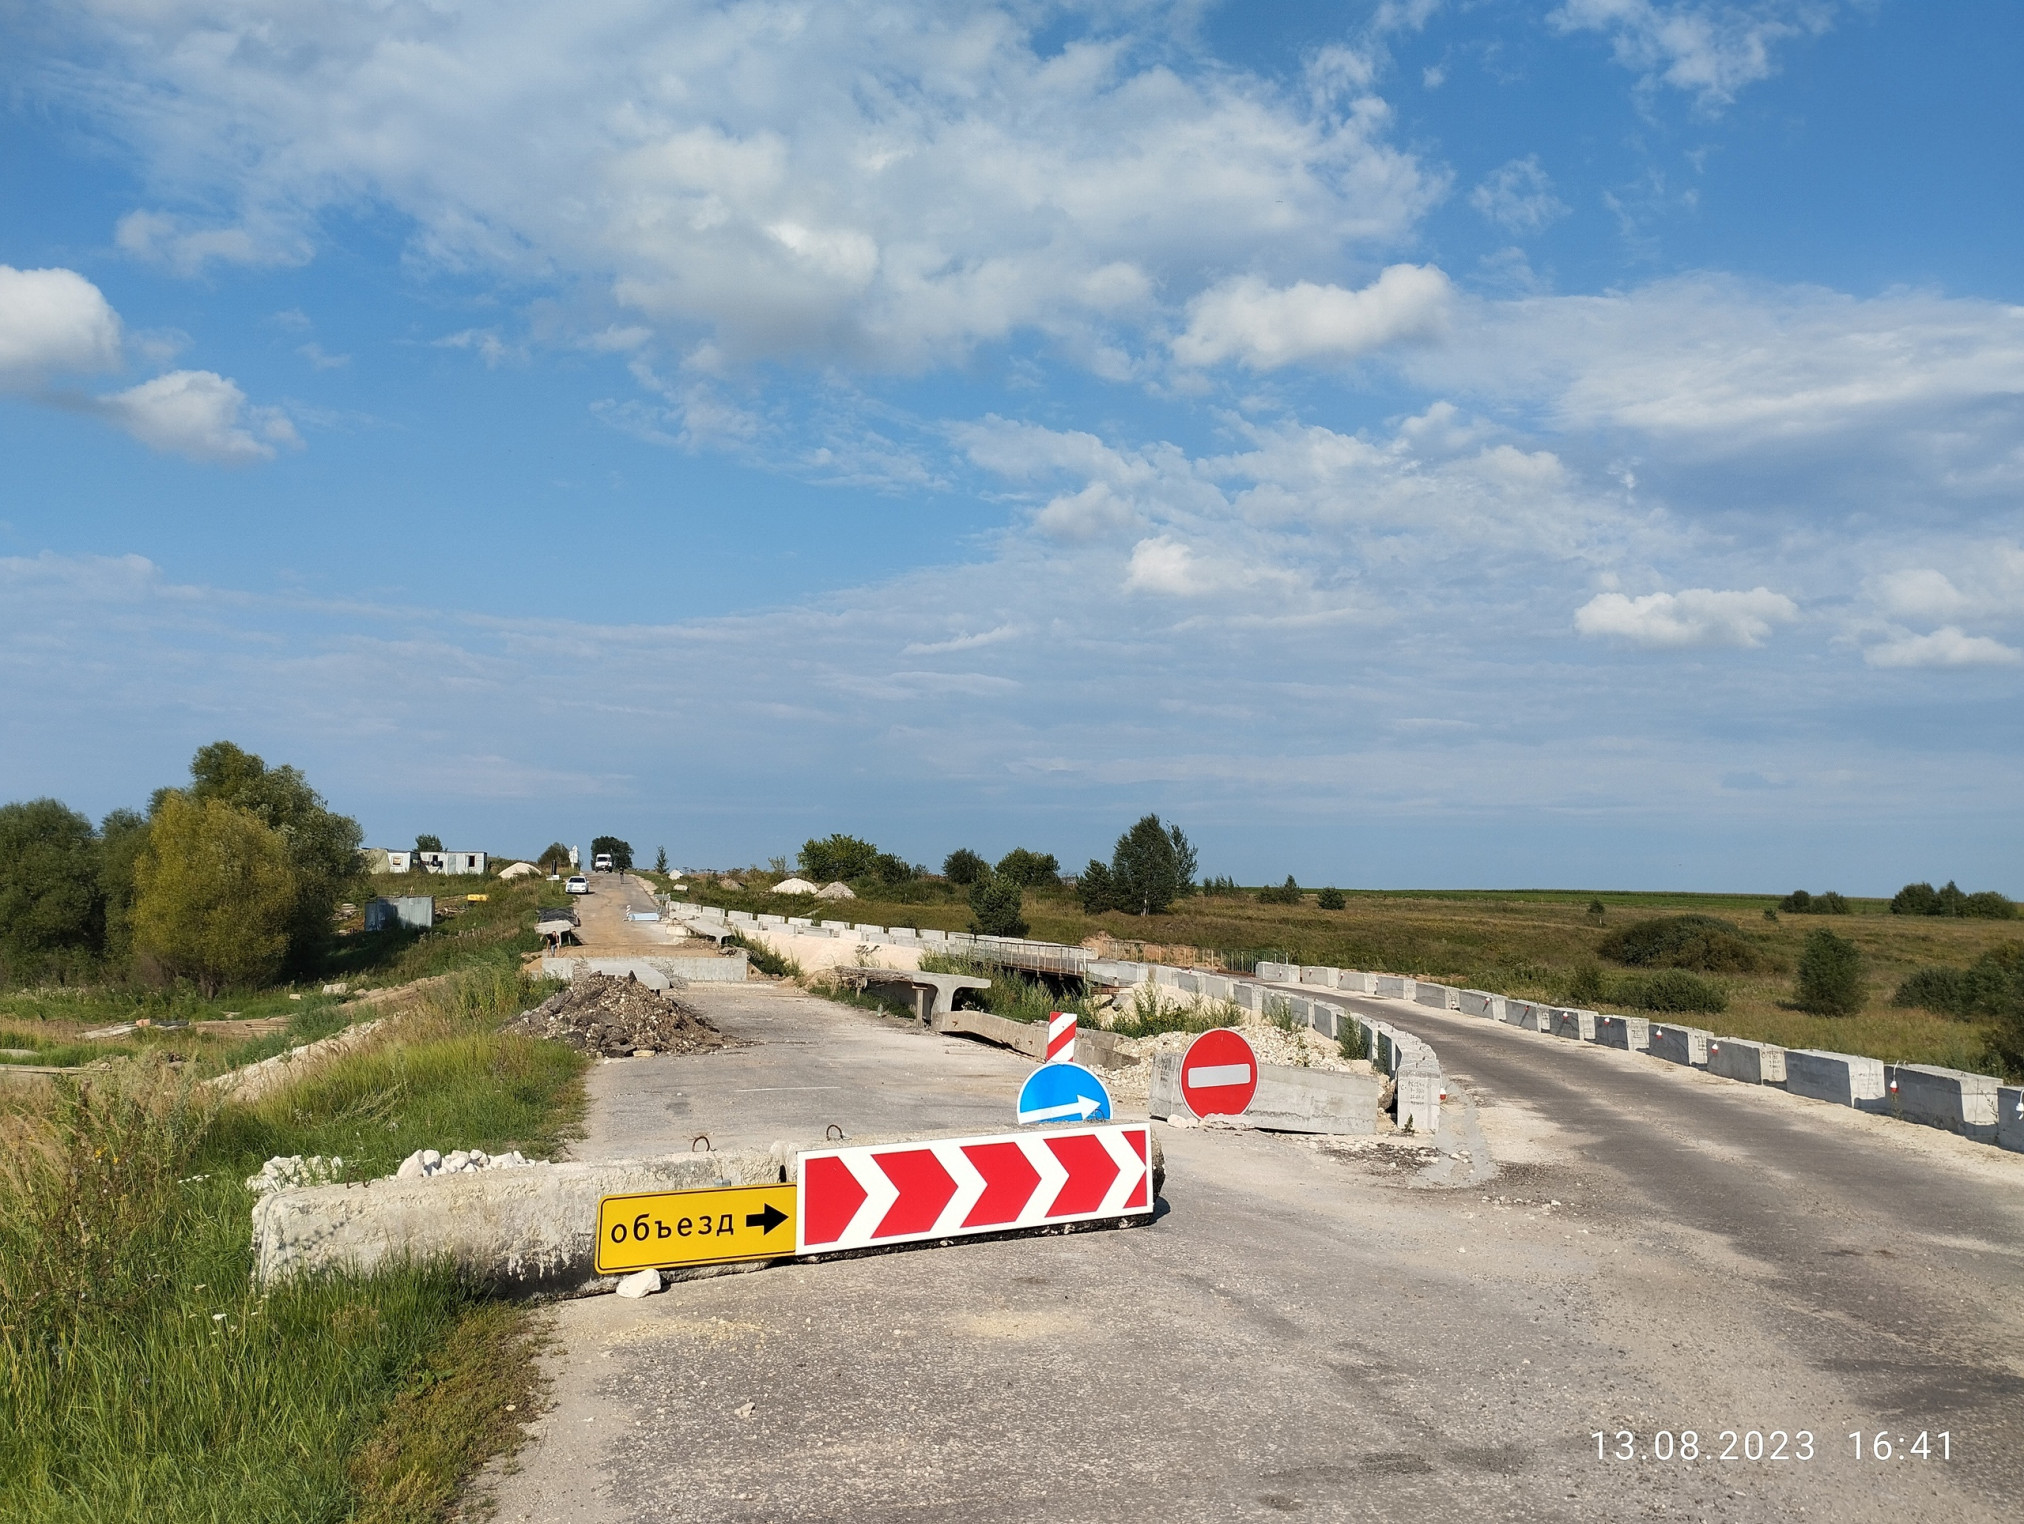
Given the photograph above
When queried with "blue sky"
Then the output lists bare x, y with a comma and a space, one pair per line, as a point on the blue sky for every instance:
1408, 444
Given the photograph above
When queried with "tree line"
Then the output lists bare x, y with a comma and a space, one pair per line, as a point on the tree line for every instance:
231, 879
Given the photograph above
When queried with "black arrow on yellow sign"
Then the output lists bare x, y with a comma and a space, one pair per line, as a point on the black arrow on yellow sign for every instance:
767, 1220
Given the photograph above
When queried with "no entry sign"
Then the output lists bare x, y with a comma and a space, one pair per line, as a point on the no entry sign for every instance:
899, 1192
1219, 1074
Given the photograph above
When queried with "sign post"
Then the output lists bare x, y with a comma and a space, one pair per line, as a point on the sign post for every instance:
1061, 1037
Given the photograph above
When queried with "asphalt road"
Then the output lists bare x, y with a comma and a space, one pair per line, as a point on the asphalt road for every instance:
1311, 1330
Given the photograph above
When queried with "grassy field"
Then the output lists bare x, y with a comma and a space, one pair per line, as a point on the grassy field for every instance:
1531, 943
143, 1376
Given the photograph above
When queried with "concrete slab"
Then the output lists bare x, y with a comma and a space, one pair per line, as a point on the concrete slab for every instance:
1573, 1023
1679, 1045
1324, 977
1289, 1099
1482, 1003
655, 972
1946, 1098
1394, 987
1093, 1046
1631, 1033
1356, 981
1277, 973
1420, 1089
1438, 996
2010, 1118
1845, 1079
1753, 1063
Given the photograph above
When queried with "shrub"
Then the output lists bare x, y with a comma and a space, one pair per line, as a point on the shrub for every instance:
1934, 989
1671, 989
1698, 942
1030, 869
1287, 893
1595, 910
1830, 975
995, 907
1924, 899
1223, 888
837, 857
893, 871
1096, 889
1799, 902
1585, 987
1329, 899
964, 867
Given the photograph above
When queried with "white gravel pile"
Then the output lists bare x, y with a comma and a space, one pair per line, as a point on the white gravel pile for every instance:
1303, 1048
426, 1163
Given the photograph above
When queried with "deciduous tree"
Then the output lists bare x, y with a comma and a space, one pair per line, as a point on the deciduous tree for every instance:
216, 896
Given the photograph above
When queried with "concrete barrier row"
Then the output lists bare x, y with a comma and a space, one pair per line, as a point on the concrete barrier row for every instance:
1977, 1106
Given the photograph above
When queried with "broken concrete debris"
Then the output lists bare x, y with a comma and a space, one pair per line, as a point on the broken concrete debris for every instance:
287, 1174
640, 1283
424, 1163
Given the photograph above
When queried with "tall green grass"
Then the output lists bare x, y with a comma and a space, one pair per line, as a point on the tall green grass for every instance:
1012, 994
143, 1375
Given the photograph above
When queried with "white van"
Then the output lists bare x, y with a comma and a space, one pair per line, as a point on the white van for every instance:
601, 863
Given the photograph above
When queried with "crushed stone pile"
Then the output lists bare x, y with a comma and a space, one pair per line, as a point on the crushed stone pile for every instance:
1273, 1045
619, 1018
426, 1163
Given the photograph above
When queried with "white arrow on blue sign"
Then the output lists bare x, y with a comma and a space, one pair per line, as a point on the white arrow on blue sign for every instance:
1063, 1093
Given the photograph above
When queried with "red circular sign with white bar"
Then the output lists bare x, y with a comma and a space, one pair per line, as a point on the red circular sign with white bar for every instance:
1219, 1074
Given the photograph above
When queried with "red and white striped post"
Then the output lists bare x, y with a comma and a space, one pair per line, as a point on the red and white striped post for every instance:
1061, 1037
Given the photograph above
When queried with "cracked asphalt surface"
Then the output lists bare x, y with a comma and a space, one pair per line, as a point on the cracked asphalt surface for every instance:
1337, 1331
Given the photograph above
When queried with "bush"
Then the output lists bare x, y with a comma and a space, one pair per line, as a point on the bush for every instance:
837, 857
1698, 942
1287, 893
995, 909
1030, 869
1585, 988
1830, 975
1934, 989
1799, 902
1924, 899
1329, 899
1223, 888
1096, 890
1669, 990
49, 881
1987, 987
964, 867
1595, 910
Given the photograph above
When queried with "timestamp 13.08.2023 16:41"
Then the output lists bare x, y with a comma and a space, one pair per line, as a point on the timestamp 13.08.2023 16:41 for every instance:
1768, 1445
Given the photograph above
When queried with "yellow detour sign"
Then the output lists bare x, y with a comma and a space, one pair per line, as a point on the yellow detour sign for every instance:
660, 1229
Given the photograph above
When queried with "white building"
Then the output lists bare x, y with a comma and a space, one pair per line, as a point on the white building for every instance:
384, 860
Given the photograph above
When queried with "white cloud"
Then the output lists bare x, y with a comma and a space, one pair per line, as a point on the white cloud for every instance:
1987, 583
1518, 197
200, 415
1722, 365
1708, 50
1264, 328
886, 186
1947, 646
1695, 616
52, 323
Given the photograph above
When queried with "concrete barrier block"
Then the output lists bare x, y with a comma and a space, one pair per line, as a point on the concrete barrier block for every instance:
1434, 995
1482, 1003
744, 917
1392, 987
1572, 1023
527, 1230
1679, 1045
1947, 1098
1313, 974
1753, 1063
1355, 981
1631, 1033
1288, 1099
1845, 1079
1276, 973
1420, 1088
2010, 1118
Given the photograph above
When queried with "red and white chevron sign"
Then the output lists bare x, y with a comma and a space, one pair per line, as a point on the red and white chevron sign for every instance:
895, 1193
1061, 1038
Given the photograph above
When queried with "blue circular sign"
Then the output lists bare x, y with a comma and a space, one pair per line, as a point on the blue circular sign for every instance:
1063, 1093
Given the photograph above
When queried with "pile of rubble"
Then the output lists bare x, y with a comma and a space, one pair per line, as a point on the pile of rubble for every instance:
426, 1163
618, 1018
294, 1171
1301, 1048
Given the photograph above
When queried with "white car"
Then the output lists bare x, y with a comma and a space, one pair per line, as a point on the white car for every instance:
577, 884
